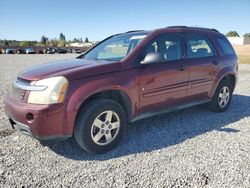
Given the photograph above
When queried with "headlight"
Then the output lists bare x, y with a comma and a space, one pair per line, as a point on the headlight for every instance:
54, 91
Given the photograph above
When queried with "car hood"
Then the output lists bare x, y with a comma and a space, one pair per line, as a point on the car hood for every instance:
70, 68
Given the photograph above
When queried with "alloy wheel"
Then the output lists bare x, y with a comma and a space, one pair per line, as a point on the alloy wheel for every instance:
105, 128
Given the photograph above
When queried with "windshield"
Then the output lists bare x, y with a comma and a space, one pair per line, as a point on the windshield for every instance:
115, 48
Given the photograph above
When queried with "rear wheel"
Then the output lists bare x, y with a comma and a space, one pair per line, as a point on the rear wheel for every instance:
222, 97
100, 125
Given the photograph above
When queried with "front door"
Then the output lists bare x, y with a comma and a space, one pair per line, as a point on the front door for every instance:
164, 85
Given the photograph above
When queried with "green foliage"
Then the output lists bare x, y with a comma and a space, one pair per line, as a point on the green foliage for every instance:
233, 34
5, 43
62, 37
27, 43
53, 42
8, 42
75, 40
44, 40
246, 35
61, 43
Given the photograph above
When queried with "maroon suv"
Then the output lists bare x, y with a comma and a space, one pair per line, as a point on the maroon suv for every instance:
122, 79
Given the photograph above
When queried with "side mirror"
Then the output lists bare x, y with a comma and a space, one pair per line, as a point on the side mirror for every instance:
153, 57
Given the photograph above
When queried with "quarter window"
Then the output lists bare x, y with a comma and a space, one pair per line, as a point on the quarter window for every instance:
198, 46
226, 46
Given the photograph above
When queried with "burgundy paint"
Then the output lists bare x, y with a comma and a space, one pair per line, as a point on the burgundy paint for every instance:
149, 88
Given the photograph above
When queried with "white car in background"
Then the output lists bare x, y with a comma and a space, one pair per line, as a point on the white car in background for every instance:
30, 51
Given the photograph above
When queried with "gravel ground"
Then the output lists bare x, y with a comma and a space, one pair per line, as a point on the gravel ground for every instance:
187, 148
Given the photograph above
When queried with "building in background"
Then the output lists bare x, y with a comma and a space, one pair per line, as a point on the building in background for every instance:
239, 40
82, 44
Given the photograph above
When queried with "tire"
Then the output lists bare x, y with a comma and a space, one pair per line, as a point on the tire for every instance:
100, 125
223, 90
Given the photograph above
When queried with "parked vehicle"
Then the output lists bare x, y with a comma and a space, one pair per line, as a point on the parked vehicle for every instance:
30, 51
20, 51
62, 51
55, 50
124, 78
40, 51
69, 50
9, 51
77, 51
50, 51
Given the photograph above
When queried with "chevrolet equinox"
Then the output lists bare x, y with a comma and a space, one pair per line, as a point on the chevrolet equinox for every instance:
124, 78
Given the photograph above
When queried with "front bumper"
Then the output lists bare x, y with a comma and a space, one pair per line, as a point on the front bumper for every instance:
48, 122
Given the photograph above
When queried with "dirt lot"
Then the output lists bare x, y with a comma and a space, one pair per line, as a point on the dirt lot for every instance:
243, 51
188, 148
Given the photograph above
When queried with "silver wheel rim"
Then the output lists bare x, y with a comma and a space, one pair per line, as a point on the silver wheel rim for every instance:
224, 96
105, 128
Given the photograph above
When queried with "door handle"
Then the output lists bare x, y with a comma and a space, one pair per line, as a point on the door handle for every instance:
181, 68
215, 62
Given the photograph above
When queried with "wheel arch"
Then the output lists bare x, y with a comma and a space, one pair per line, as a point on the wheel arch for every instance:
114, 94
231, 77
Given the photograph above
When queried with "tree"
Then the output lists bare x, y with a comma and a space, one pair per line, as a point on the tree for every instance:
25, 44
74, 40
62, 37
246, 35
6, 43
61, 43
86, 39
53, 42
62, 40
44, 40
233, 34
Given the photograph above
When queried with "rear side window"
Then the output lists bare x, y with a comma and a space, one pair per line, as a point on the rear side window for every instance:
226, 46
198, 45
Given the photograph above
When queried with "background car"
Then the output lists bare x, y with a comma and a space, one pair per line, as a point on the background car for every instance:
62, 51
49, 51
40, 51
69, 50
20, 51
9, 51
77, 51
30, 51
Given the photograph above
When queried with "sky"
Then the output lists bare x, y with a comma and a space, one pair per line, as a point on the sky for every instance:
97, 19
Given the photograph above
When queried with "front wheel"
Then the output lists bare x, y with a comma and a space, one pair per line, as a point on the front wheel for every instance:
100, 125
222, 97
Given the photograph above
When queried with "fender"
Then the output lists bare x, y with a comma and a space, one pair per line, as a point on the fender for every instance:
82, 89
229, 70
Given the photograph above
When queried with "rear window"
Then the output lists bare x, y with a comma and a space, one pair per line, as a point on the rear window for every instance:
198, 46
226, 46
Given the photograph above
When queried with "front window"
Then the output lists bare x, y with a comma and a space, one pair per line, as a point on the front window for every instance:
115, 48
167, 45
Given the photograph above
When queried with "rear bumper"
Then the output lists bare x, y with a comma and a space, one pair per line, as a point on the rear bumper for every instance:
48, 121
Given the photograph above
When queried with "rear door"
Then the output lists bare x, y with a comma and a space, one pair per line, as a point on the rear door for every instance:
202, 66
164, 84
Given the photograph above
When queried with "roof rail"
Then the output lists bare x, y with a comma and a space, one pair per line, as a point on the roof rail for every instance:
177, 26
134, 31
203, 28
